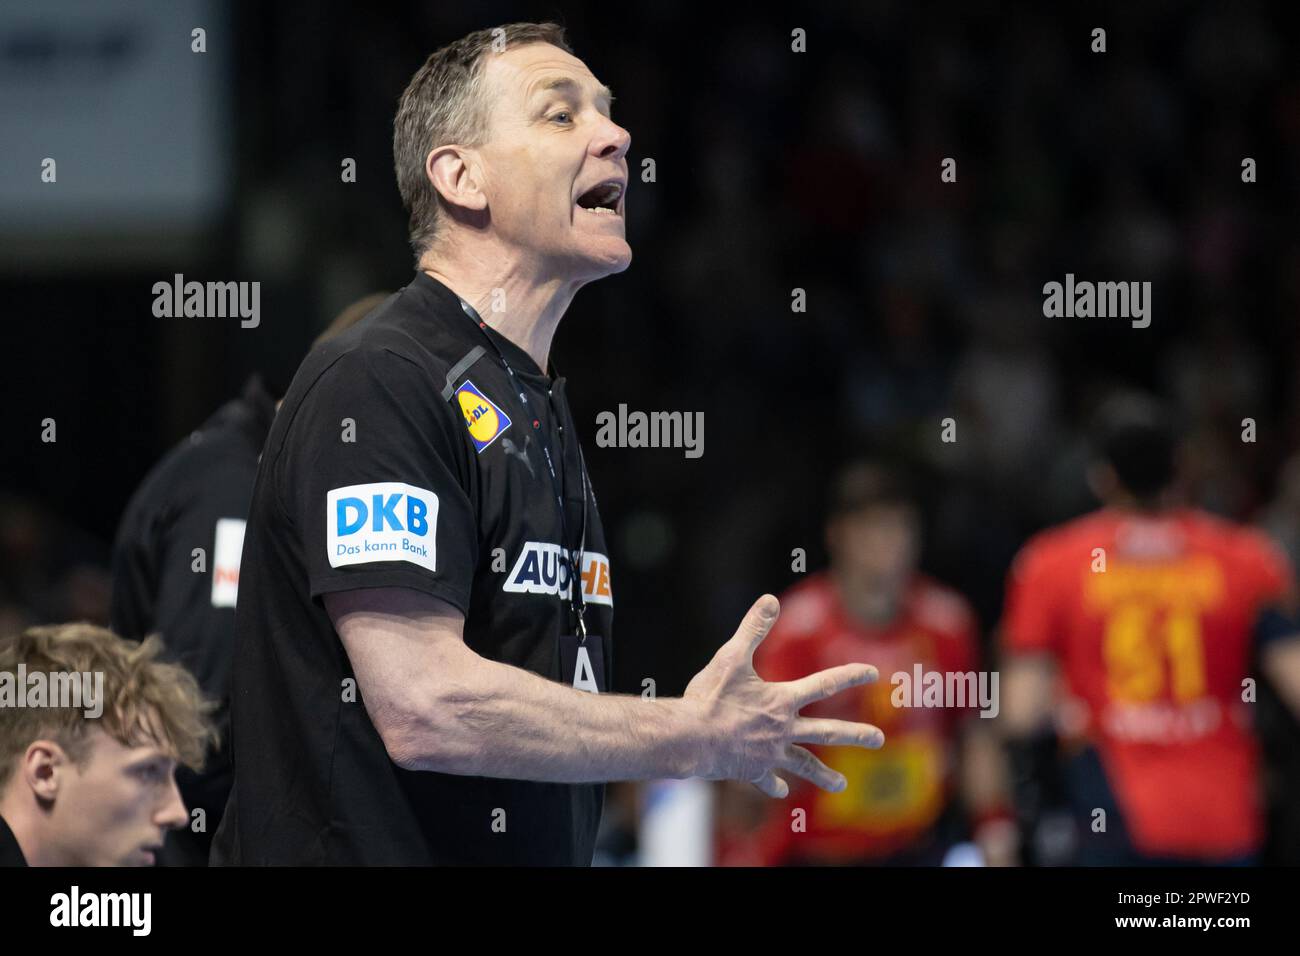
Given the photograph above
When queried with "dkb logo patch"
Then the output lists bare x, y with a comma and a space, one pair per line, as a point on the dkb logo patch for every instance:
383, 521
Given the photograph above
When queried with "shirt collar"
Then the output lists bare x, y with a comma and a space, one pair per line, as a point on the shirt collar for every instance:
519, 360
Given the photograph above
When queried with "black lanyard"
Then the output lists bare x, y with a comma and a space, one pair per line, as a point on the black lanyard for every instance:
578, 606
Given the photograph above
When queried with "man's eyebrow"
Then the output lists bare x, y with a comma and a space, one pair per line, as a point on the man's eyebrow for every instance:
149, 760
156, 753
568, 85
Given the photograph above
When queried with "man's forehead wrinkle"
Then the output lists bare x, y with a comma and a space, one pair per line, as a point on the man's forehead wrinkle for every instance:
603, 97
554, 74
553, 83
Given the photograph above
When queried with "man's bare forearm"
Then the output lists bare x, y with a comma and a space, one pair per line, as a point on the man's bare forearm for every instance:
495, 720
439, 706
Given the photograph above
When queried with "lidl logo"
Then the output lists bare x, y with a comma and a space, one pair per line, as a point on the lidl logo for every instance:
382, 521
486, 422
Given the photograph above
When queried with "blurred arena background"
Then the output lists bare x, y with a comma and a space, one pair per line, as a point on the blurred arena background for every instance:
774, 171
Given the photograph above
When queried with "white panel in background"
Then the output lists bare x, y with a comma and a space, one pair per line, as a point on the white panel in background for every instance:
138, 124
677, 823
226, 555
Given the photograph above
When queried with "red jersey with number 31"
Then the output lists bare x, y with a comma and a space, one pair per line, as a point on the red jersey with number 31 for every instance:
1150, 618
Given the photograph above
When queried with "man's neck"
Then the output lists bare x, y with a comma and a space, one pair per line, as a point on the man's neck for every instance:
1159, 506
514, 300
869, 607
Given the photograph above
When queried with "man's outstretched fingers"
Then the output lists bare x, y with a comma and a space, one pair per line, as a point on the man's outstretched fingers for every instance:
773, 786
846, 733
833, 680
805, 764
755, 625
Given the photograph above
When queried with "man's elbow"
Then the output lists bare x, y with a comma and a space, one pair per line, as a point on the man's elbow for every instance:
406, 748
434, 732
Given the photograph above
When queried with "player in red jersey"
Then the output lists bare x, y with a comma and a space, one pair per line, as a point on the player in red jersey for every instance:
871, 606
1148, 614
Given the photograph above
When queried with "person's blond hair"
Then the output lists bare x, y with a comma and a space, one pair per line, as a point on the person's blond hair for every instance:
145, 699
444, 104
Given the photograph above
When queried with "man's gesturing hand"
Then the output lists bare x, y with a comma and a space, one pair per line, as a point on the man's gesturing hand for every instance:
754, 726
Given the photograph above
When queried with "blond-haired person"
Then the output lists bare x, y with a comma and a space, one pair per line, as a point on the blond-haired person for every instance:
92, 781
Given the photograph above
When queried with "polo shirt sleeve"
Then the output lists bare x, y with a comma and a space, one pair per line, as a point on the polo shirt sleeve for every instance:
375, 477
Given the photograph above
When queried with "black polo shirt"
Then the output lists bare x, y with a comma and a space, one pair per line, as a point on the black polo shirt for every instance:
402, 457
197, 496
11, 854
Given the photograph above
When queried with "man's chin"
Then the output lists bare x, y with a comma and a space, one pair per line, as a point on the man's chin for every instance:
141, 856
609, 259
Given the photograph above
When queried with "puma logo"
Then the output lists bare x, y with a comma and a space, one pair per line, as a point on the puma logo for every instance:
511, 448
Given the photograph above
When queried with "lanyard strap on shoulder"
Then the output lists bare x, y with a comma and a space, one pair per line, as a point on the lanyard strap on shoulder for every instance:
576, 601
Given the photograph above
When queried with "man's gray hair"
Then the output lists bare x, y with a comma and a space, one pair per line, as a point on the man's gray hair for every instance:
443, 104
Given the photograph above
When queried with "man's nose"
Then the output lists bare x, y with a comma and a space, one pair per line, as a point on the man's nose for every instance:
612, 142
172, 815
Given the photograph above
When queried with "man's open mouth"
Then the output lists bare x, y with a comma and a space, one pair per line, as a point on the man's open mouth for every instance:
603, 199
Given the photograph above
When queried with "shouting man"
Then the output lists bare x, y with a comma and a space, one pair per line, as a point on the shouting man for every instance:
423, 646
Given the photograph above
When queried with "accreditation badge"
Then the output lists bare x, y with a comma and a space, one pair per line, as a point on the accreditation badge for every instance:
582, 663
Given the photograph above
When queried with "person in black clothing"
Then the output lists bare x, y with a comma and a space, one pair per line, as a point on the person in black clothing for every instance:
197, 497
423, 645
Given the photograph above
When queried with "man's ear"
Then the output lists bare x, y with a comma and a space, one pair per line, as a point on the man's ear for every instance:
41, 766
456, 175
